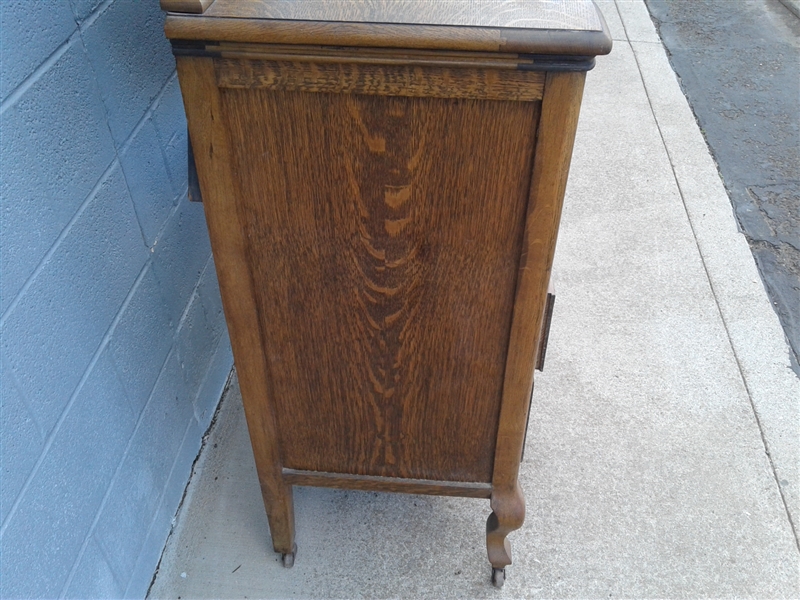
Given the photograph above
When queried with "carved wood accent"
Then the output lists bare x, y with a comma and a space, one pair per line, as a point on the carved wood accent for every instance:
382, 80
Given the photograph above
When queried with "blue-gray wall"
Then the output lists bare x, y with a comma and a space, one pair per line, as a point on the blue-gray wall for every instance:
114, 348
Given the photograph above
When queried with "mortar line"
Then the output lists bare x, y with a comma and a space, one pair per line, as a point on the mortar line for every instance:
55, 245
716, 298
36, 74
161, 499
114, 476
191, 483
56, 429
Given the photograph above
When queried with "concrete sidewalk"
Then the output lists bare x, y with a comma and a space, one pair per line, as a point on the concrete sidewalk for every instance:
663, 455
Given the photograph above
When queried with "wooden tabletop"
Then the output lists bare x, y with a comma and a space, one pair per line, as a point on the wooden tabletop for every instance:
573, 27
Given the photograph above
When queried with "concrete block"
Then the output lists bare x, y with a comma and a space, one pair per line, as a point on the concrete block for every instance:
219, 369
198, 336
180, 256
46, 532
141, 341
208, 291
84, 8
170, 122
52, 334
132, 60
54, 148
137, 490
21, 441
93, 577
31, 32
148, 181
161, 526
195, 343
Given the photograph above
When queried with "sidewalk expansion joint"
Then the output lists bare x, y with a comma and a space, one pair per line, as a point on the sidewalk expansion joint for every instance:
716, 301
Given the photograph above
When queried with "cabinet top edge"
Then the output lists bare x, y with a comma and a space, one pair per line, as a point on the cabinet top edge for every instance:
571, 27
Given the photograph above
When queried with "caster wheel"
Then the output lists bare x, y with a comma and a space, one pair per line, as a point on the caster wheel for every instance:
498, 577
288, 558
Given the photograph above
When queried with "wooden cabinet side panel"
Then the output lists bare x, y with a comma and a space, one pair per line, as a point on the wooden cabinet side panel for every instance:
212, 151
383, 236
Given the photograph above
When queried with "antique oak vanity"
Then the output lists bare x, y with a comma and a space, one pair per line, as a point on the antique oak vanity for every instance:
382, 181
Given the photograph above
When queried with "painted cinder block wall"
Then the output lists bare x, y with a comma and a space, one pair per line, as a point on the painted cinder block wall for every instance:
113, 342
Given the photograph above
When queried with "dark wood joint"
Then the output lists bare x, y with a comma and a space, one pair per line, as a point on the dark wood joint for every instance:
194, 181
550, 303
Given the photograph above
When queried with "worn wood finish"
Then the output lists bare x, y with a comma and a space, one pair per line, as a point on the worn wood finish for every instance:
382, 56
197, 7
381, 80
561, 27
212, 151
387, 484
381, 35
518, 14
383, 183
380, 368
559, 119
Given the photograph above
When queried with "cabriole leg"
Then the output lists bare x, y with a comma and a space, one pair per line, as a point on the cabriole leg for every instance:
508, 514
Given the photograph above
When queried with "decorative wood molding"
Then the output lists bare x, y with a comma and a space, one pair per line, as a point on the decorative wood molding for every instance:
380, 80
585, 44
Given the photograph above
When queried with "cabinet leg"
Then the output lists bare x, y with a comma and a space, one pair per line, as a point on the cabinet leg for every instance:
508, 514
280, 513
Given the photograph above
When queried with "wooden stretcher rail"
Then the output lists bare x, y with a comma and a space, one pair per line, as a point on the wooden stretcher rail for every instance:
387, 484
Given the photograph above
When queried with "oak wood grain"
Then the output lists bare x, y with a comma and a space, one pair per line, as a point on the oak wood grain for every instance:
381, 80
373, 35
383, 182
384, 273
574, 15
566, 27
387, 484
212, 151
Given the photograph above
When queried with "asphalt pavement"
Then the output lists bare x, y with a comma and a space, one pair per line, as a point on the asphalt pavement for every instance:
739, 65
662, 454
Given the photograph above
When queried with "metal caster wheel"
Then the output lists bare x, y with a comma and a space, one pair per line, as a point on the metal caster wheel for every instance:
498, 577
288, 558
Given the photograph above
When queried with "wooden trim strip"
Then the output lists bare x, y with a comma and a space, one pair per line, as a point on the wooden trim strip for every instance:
387, 484
364, 59
557, 125
384, 56
380, 80
211, 150
388, 35
378, 56
409, 55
